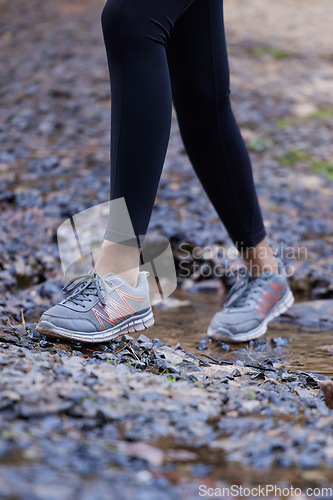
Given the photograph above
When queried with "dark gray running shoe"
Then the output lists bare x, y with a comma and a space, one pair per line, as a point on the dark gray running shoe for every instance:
99, 309
250, 304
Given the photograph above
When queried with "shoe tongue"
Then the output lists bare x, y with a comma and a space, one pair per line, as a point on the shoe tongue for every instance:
107, 276
267, 272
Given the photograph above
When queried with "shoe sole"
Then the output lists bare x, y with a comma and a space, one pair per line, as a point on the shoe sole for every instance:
277, 310
128, 326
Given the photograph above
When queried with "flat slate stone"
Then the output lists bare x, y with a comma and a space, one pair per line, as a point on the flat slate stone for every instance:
317, 313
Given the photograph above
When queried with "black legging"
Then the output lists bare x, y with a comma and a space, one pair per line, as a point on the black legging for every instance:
161, 51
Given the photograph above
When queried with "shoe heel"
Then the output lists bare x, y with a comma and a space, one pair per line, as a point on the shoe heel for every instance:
140, 325
287, 303
149, 322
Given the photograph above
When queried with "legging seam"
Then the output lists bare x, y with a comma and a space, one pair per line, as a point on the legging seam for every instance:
252, 213
116, 169
221, 142
185, 8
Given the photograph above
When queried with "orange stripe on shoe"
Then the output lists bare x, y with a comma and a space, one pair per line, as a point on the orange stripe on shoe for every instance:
277, 288
115, 313
266, 305
260, 311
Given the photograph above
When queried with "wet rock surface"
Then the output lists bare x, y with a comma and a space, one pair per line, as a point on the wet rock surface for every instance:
139, 413
141, 419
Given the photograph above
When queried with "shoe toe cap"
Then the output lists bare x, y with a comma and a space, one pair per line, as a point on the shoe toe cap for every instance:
59, 317
228, 325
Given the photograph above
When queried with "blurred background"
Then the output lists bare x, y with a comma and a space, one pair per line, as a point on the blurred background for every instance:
55, 127
54, 163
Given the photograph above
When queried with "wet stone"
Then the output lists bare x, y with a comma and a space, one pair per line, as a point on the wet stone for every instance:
202, 345
311, 381
147, 346
143, 338
307, 461
284, 461
157, 343
173, 370
203, 362
280, 342
139, 365
107, 413
201, 470
258, 376
49, 290
259, 344
288, 377
127, 338
45, 344
102, 347
225, 346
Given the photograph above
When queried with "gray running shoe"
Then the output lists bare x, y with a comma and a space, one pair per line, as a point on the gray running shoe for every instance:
99, 309
250, 304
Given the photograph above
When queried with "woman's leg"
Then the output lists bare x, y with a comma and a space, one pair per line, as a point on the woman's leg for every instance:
136, 35
199, 70
200, 85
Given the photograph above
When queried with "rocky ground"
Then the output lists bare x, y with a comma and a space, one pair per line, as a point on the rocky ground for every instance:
148, 420
141, 419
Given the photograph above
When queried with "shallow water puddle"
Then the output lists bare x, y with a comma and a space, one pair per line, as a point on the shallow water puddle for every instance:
187, 319
212, 465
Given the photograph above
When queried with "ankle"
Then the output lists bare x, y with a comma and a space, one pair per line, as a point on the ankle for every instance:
258, 266
131, 276
120, 259
260, 258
